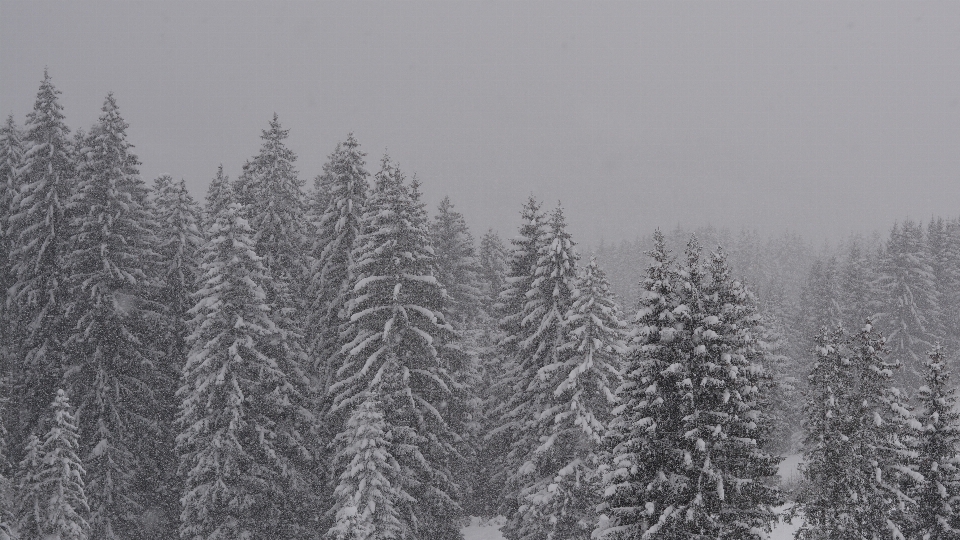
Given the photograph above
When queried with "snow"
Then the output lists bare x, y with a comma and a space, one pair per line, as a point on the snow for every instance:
482, 529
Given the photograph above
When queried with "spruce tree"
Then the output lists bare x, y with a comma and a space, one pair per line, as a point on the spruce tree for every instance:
938, 499
860, 433
179, 239
910, 310
457, 266
11, 158
368, 492
536, 454
245, 414
219, 194
687, 440
579, 410
396, 326
943, 253
38, 230
344, 187
53, 504
493, 268
111, 358
7, 514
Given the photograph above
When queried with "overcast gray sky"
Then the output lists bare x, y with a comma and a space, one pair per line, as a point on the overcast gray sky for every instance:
817, 117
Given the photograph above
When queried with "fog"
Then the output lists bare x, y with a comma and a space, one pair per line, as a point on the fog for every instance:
813, 117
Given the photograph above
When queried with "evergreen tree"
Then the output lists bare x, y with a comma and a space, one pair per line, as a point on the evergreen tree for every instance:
219, 194
245, 414
860, 431
11, 158
271, 195
580, 408
38, 230
110, 355
938, 499
493, 268
457, 267
857, 282
178, 220
910, 309
687, 458
7, 518
536, 454
343, 188
943, 254
368, 490
51, 488
502, 397
396, 326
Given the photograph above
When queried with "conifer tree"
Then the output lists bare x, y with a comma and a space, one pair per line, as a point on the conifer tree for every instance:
343, 189
687, 458
457, 266
536, 454
396, 323
857, 282
53, 504
910, 310
219, 194
179, 239
583, 397
860, 433
938, 499
38, 229
11, 158
493, 268
245, 414
943, 253
111, 358
368, 491
7, 518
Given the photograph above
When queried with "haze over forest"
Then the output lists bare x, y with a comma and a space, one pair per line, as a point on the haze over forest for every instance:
814, 117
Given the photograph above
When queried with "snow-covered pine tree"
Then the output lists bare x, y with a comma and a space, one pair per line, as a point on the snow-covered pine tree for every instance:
938, 499
943, 253
219, 194
456, 269
729, 394
11, 159
687, 443
52, 502
7, 514
641, 458
493, 268
583, 398
534, 453
111, 357
505, 372
343, 189
457, 266
857, 282
245, 415
396, 324
179, 238
910, 309
819, 299
368, 491
38, 232
271, 195
860, 432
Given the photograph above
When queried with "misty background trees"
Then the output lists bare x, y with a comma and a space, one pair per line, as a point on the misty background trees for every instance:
339, 361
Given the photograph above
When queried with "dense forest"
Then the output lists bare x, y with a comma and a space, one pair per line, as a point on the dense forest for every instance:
338, 361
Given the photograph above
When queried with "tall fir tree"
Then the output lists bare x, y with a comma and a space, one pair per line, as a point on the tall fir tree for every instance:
909, 309
245, 417
457, 267
938, 499
368, 490
536, 454
343, 190
53, 504
582, 400
860, 464
506, 374
219, 194
110, 355
179, 239
943, 253
397, 327
687, 441
7, 514
11, 159
39, 230
493, 262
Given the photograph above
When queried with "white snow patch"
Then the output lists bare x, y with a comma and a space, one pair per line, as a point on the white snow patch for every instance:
483, 529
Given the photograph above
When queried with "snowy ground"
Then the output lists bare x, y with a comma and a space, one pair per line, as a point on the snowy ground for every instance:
783, 531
